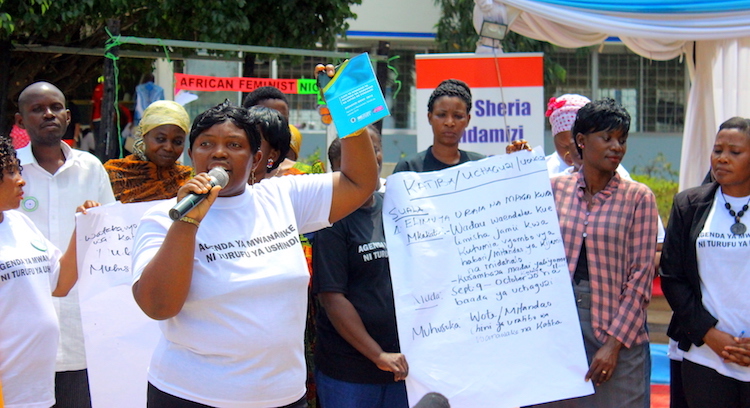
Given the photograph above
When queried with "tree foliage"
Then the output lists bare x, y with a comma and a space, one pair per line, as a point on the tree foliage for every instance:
455, 30
81, 23
456, 33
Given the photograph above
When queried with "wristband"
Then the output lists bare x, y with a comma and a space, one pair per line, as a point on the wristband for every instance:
190, 221
355, 134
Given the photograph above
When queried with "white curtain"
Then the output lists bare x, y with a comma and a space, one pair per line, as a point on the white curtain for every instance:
665, 27
718, 43
719, 91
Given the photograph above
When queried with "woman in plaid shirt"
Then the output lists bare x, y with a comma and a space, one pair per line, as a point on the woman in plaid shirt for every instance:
609, 227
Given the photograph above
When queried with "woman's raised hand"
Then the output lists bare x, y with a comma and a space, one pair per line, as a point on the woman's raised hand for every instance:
517, 146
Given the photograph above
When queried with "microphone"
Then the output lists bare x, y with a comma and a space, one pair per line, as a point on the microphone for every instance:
219, 177
433, 400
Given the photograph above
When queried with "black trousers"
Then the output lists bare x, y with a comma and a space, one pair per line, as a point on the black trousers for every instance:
72, 389
705, 388
160, 399
676, 391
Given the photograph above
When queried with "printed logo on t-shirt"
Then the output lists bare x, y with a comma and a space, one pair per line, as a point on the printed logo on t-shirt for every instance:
253, 247
373, 250
30, 204
21, 267
710, 239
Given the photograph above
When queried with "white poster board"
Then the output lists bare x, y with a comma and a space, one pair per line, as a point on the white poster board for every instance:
484, 302
119, 337
507, 98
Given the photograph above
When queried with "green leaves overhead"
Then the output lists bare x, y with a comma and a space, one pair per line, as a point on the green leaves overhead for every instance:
283, 23
81, 23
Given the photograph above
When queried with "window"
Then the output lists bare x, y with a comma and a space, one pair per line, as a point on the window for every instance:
653, 92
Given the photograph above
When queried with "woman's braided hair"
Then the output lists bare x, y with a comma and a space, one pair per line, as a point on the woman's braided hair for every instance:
8, 160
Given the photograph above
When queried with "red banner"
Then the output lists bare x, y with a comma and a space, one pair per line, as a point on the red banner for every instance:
508, 71
237, 84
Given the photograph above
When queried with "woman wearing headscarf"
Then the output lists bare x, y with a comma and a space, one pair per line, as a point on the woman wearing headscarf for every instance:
152, 172
561, 112
705, 275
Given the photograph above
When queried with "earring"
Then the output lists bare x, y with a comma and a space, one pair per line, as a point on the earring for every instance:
581, 146
270, 164
252, 177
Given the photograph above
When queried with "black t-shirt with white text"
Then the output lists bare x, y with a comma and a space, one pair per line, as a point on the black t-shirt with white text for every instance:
351, 258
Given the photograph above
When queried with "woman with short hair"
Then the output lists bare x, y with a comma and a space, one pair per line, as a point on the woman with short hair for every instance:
229, 280
705, 275
448, 112
608, 226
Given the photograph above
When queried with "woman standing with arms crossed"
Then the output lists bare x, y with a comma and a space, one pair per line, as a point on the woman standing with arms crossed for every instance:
229, 280
705, 275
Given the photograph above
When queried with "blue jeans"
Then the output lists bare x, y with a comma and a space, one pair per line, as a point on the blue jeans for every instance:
341, 394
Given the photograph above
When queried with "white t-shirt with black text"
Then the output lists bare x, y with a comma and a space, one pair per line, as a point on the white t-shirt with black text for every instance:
29, 330
725, 277
238, 340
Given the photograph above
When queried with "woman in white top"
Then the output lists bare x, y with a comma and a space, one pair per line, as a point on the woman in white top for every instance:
705, 275
229, 281
31, 269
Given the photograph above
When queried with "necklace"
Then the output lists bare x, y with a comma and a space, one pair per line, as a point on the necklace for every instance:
737, 228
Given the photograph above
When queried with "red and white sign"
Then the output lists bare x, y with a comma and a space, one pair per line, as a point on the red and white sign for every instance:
507, 92
238, 84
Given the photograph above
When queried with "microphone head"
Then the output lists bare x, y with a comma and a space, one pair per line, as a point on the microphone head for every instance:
433, 400
220, 176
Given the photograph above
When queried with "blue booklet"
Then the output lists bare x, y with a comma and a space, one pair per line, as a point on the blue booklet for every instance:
354, 96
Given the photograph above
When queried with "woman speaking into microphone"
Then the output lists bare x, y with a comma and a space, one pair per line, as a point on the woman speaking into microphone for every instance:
228, 280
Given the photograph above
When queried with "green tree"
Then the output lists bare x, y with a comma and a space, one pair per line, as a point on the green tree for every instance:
456, 33
81, 24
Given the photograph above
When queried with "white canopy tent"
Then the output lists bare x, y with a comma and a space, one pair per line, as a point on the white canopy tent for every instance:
714, 36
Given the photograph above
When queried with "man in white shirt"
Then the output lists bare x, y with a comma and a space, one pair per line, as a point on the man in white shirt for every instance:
58, 179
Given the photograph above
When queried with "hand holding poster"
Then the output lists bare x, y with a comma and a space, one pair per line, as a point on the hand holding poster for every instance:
354, 96
484, 304
119, 337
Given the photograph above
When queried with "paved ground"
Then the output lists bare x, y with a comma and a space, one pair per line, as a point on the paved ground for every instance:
659, 314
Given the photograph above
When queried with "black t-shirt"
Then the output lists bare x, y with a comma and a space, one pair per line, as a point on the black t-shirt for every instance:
351, 258
425, 161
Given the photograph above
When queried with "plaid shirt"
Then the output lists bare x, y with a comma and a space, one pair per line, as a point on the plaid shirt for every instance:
620, 232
